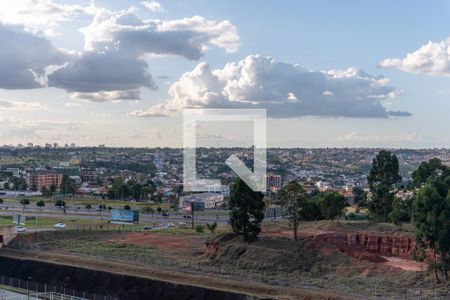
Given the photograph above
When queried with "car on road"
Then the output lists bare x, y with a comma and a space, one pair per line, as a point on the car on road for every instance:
21, 229
170, 225
59, 226
181, 223
148, 227
164, 214
187, 216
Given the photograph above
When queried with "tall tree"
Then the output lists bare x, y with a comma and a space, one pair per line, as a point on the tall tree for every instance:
427, 169
67, 185
331, 204
401, 211
294, 199
359, 196
24, 202
431, 215
382, 179
246, 210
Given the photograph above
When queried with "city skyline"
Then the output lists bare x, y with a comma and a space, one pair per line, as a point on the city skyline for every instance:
120, 72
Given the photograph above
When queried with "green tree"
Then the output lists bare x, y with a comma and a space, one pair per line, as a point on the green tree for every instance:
148, 210
331, 204
126, 207
382, 179
246, 210
46, 192
359, 196
68, 185
24, 202
427, 169
294, 199
401, 211
311, 211
40, 204
60, 203
1, 200
88, 206
431, 215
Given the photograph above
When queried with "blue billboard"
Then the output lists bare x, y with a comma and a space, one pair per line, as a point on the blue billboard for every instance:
124, 216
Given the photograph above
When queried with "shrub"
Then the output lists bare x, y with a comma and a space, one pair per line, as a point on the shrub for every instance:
199, 228
212, 227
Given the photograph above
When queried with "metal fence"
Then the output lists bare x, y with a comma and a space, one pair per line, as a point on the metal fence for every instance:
37, 290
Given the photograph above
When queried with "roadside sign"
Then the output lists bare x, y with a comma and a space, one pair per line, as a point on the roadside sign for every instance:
19, 219
124, 216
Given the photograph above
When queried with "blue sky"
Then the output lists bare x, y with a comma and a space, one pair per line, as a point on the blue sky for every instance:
314, 65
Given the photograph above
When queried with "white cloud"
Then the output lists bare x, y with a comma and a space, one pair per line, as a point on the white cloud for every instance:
152, 5
430, 59
6, 105
72, 104
328, 93
156, 111
14, 129
291, 97
41, 15
262, 82
113, 65
146, 134
405, 137
107, 96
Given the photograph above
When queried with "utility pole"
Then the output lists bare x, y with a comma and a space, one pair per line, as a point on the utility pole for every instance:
192, 214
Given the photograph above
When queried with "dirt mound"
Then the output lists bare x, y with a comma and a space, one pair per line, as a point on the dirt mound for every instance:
272, 255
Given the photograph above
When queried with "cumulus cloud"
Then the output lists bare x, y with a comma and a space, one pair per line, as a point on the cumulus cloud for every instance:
113, 65
25, 58
430, 59
152, 5
262, 82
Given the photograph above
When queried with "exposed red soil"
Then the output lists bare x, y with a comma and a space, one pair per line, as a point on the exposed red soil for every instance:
392, 250
161, 241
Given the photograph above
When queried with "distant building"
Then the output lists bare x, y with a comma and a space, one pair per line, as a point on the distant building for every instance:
44, 178
47, 145
223, 189
69, 171
30, 145
207, 200
14, 171
273, 182
88, 175
55, 145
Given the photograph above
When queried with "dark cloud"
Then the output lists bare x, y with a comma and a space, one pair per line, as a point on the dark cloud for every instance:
24, 57
98, 72
398, 113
